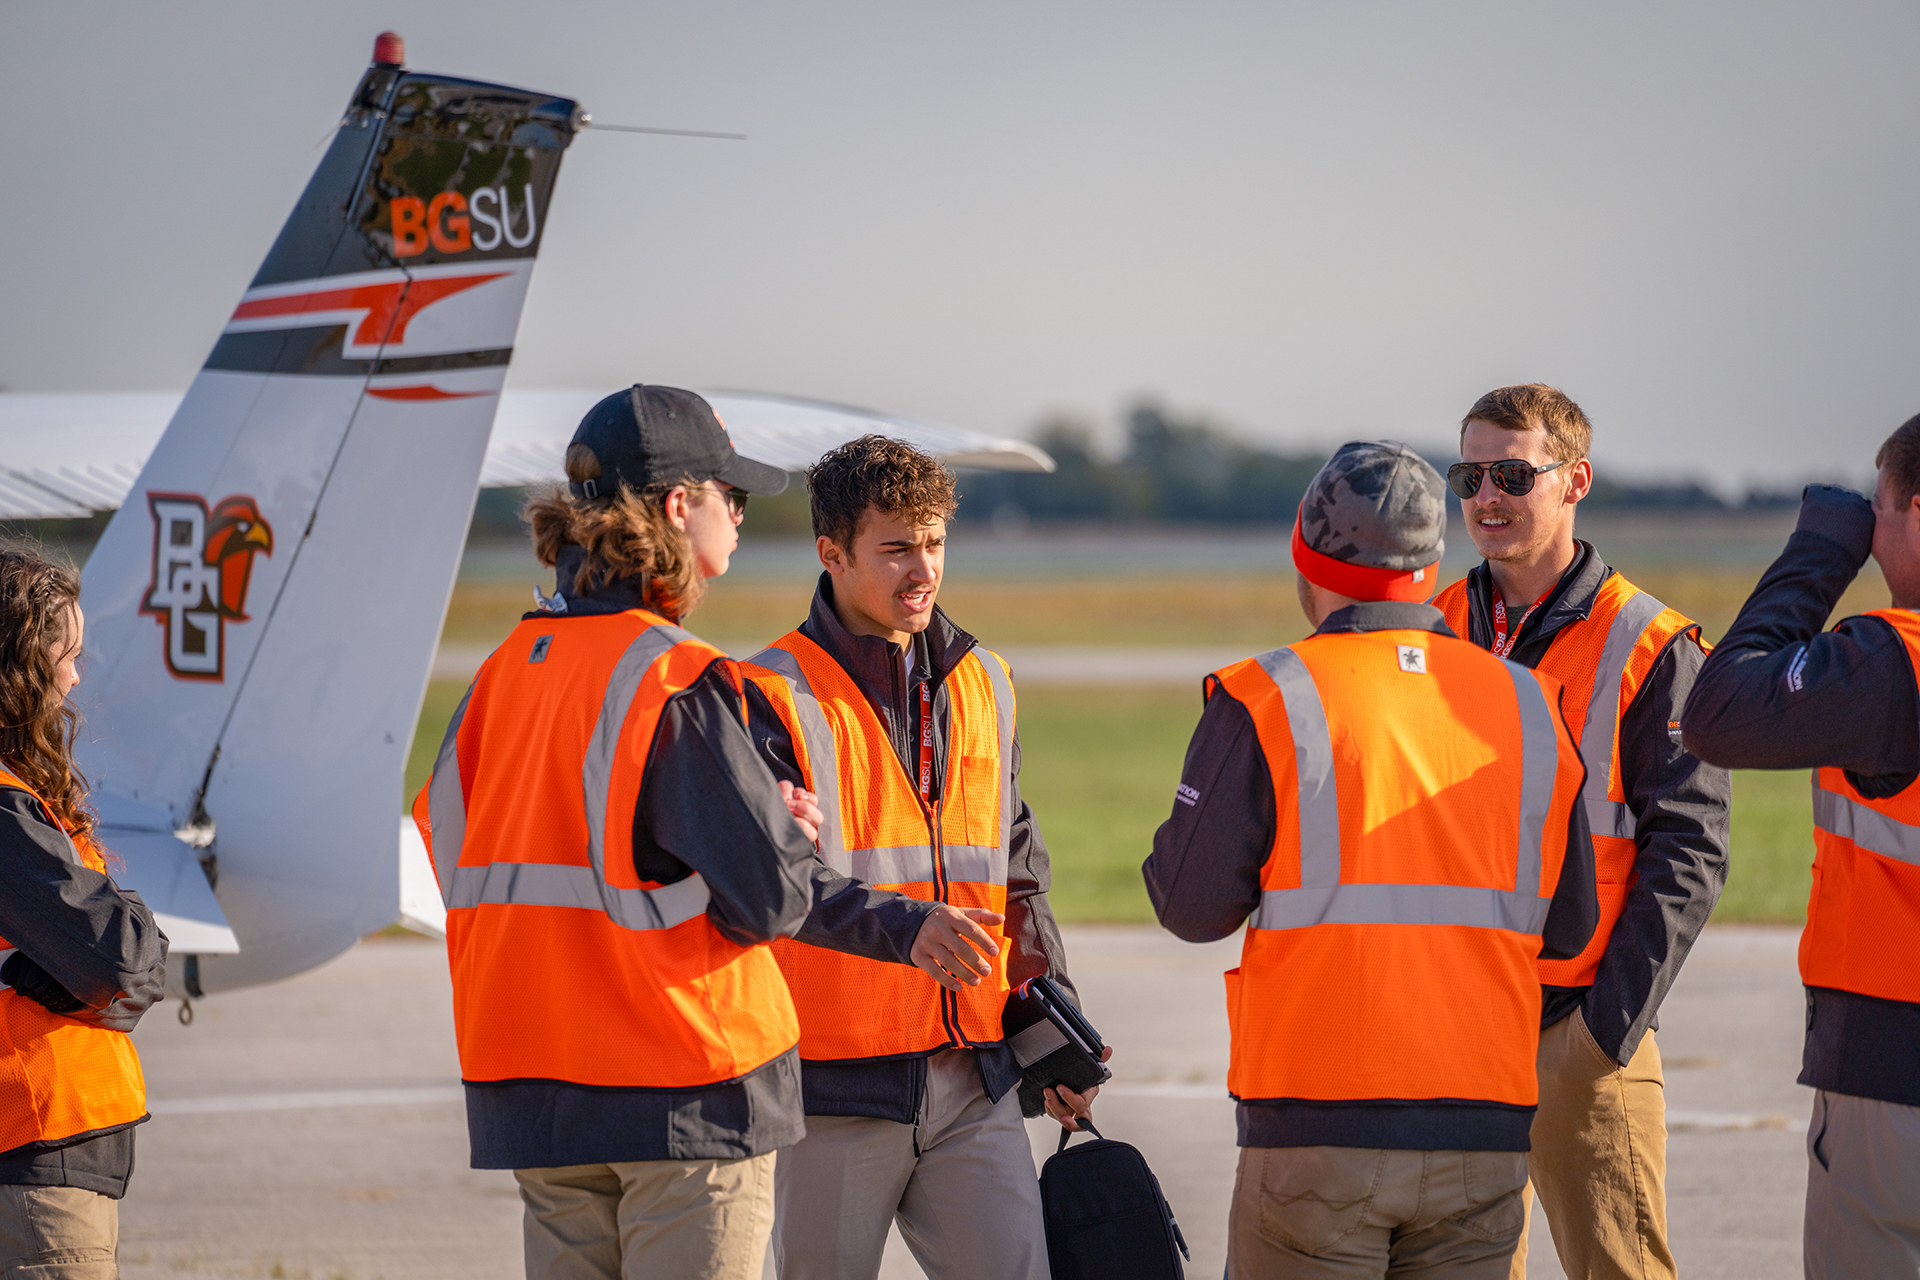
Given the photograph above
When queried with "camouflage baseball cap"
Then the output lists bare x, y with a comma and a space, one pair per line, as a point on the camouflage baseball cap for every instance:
1373, 523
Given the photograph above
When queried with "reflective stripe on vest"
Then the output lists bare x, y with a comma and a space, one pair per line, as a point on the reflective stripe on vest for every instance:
1611, 817
546, 884
851, 1007
1864, 827
1322, 899
1863, 915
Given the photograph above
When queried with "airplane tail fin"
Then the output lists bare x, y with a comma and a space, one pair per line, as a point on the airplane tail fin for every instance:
263, 608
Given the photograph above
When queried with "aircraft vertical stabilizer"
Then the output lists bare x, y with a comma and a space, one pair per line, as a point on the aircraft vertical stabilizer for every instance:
262, 611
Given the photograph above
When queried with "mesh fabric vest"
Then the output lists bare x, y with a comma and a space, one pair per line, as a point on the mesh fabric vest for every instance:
1863, 918
1601, 660
878, 830
566, 965
60, 1078
1422, 790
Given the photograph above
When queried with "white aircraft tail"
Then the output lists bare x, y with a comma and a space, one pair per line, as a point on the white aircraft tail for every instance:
262, 611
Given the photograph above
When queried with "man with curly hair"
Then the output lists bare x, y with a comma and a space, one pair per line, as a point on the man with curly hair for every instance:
904, 727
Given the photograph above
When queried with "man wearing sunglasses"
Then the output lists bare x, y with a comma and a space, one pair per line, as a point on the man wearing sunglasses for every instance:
1658, 816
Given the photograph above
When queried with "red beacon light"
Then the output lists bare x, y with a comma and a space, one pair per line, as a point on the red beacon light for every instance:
389, 50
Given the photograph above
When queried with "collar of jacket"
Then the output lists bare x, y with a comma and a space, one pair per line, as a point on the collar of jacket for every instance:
1570, 601
616, 596
872, 660
1384, 615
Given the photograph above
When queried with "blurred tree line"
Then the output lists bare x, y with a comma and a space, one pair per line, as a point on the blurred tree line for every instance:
1172, 470
1185, 470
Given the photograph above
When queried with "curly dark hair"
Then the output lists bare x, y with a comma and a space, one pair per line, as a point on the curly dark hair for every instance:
873, 472
37, 724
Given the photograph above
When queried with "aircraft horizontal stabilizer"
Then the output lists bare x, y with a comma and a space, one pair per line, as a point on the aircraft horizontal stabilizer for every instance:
165, 871
421, 907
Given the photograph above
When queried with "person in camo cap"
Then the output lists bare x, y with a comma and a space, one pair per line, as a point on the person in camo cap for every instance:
1393, 813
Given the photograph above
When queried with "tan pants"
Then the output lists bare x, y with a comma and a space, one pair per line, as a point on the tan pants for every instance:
960, 1183
1599, 1160
1341, 1213
684, 1219
1863, 1189
58, 1233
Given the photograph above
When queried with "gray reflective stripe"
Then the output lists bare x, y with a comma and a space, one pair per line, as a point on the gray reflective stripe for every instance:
1036, 1042
447, 803
1610, 817
822, 758
1869, 829
906, 864
1313, 760
547, 884
1003, 716
6, 952
1402, 904
1539, 765
596, 774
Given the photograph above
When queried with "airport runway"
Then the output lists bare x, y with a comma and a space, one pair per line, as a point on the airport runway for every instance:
313, 1130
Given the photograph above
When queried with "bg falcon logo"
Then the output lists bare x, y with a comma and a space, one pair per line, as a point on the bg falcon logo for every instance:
202, 561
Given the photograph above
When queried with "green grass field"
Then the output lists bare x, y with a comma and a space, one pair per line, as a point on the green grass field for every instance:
1100, 766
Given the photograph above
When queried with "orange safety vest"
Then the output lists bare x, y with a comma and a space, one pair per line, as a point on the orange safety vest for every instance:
566, 965
1863, 917
1422, 790
879, 830
60, 1078
1601, 660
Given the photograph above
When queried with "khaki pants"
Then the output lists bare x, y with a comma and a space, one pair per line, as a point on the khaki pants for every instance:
960, 1183
1599, 1160
1342, 1213
685, 1219
1863, 1189
58, 1233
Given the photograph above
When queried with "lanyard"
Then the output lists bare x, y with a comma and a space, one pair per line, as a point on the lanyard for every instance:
1502, 642
926, 741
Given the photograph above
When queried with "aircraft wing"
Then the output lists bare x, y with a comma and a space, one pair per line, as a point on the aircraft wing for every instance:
64, 456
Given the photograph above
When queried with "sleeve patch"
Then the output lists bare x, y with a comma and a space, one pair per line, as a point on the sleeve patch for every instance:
1186, 795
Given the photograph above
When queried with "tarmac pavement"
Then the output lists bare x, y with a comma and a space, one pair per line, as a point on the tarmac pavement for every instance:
312, 1130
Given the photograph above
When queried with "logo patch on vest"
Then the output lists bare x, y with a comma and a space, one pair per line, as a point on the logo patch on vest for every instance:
540, 648
1413, 658
1186, 795
202, 563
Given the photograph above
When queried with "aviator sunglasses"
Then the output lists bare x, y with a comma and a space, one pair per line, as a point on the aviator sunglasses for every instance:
1511, 476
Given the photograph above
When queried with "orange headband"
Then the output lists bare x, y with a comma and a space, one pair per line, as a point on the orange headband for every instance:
1359, 581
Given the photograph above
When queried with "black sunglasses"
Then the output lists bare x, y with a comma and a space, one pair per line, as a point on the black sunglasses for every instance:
737, 500
1512, 476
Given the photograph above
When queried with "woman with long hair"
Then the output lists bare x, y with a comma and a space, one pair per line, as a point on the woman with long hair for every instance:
82, 958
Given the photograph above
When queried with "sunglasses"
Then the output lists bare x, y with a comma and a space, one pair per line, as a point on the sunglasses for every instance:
736, 501
1512, 476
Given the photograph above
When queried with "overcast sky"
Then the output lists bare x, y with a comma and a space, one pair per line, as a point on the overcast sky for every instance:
1308, 222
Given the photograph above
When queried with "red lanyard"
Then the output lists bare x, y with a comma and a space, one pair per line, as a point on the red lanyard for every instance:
926, 742
1502, 642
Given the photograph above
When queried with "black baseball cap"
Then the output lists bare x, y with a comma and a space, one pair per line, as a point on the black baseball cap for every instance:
663, 435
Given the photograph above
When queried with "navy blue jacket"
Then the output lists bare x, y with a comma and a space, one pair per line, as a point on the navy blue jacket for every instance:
1780, 693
